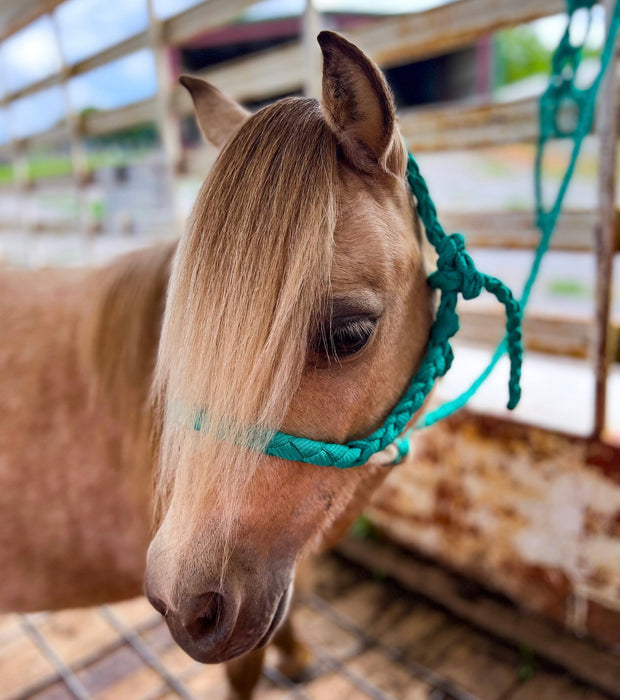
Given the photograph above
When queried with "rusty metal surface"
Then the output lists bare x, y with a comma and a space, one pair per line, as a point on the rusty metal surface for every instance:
531, 513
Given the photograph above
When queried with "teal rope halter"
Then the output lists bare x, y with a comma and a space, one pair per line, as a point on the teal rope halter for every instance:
456, 273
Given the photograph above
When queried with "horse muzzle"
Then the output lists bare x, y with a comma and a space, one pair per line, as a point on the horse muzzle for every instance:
224, 622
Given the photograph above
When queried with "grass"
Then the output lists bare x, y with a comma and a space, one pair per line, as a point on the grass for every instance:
6, 173
47, 166
568, 287
497, 168
528, 665
363, 529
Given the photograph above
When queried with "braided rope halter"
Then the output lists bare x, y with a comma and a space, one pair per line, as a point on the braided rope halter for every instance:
456, 273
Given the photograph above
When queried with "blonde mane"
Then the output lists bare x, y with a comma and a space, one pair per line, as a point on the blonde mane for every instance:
119, 331
248, 280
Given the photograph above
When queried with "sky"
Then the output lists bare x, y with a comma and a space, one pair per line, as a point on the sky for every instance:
85, 27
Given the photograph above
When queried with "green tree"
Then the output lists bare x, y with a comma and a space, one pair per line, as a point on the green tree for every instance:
519, 54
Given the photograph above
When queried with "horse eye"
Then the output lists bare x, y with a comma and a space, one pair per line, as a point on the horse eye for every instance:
344, 337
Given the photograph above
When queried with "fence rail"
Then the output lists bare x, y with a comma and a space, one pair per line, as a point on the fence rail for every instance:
546, 334
517, 230
390, 41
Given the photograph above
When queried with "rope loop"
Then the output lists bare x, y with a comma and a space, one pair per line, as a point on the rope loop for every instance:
456, 271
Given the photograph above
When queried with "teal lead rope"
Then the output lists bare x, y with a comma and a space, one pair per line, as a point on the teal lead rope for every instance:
456, 273
561, 99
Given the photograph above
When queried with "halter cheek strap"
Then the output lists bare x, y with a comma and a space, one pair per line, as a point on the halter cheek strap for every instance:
456, 274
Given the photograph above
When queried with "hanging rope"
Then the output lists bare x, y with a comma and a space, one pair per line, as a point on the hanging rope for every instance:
561, 103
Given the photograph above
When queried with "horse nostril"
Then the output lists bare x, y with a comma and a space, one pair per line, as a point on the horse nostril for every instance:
158, 604
204, 615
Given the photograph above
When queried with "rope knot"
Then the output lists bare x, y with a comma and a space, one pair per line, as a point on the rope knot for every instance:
456, 271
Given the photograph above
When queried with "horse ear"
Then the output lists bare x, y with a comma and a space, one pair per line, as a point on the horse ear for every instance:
218, 117
358, 105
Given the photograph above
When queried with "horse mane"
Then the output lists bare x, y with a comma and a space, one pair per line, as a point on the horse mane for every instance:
249, 278
119, 331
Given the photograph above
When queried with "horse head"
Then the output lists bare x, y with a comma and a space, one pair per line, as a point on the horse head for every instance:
298, 302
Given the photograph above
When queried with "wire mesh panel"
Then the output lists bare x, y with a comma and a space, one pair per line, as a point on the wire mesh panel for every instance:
369, 639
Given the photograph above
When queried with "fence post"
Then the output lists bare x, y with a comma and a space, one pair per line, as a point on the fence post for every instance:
604, 232
312, 54
167, 119
77, 149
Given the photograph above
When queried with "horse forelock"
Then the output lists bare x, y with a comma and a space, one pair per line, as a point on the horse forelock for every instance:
248, 281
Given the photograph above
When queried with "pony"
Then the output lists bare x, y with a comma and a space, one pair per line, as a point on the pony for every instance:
296, 300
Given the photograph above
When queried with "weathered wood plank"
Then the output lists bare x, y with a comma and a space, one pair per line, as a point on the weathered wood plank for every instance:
104, 122
37, 86
112, 53
556, 336
57, 134
480, 665
22, 665
457, 125
390, 677
16, 15
201, 17
516, 229
547, 334
547, 686
605, 233
256, 77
